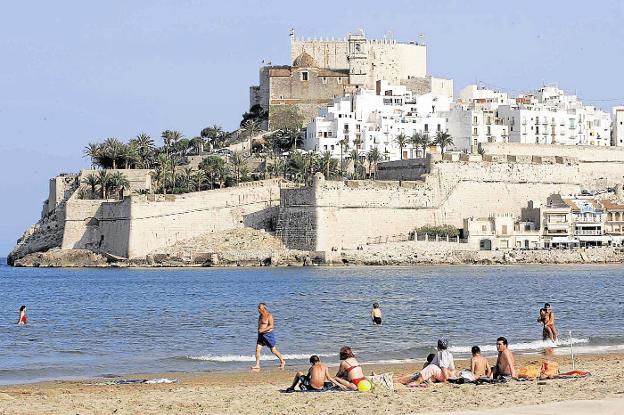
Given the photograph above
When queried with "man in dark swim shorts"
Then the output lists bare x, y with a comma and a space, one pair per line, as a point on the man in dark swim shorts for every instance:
318, 378
266, 336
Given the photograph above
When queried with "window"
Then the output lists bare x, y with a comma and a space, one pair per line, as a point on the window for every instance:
475, 131
357, 127
475, 119
439, 128
324, 80
483, 228
304, 75
339, 80
504, 229
325, 147
426, 128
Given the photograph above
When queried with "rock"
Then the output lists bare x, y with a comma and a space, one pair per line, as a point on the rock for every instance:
62, 258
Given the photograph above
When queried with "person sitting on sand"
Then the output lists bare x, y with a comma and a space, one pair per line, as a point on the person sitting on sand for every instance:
479, 365
444, 360
266, 337
547, 318
376, 314
350, 373
23, 318
505, 362
406, 379
317, 379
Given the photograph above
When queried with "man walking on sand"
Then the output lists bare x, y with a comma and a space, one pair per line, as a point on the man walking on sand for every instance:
266, 336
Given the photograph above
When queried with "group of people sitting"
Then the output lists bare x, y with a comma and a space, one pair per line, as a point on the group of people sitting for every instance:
440, 367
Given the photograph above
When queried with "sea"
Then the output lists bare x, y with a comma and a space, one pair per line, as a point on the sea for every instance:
86, 323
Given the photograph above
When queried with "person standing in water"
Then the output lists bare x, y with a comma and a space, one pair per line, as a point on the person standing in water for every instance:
23, 318
266, 337
547, 318
376, 314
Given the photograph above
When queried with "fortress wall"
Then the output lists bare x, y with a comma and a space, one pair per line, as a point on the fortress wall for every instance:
98, 225
583, 153
411, 169
164, 221
350, 214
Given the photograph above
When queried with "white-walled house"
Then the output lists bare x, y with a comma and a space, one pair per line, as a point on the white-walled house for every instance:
617, 127
373, 119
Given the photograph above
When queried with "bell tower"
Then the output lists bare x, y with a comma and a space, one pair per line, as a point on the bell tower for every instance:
358, 59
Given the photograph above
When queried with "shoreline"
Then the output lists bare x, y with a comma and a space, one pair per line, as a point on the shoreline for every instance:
246, 392
396, 254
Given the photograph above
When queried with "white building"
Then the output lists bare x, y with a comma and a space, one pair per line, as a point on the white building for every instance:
369, 119
617, 127
548, 116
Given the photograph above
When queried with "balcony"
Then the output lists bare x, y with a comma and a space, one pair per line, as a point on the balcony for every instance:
588, 232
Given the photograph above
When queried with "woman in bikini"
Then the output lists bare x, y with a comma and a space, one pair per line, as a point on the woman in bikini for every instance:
350, 372
23, 318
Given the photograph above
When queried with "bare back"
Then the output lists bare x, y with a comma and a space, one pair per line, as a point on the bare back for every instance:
480, 366
318, 375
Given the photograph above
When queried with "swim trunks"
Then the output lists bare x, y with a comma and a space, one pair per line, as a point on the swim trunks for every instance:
304, 385
377, 320
267, 339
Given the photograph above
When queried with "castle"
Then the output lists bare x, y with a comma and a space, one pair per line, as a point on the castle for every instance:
324, 69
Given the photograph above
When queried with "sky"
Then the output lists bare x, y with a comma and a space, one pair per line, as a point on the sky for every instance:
74, 72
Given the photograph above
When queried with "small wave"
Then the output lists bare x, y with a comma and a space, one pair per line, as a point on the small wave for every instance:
597, 349
534, 345
250, 358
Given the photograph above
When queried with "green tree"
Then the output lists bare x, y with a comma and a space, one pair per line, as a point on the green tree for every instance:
238, 162
357, 162
325, 163
197, 144
421, 140
145, 148
91, 180
213, 166
344, 146
103, 180
443, 139
118, 182
373, 156
92, 150
250, 129
255, 113
199, 177
213, 134
401, 140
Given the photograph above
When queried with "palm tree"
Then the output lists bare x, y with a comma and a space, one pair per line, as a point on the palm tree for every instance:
197, 144
158, 177
199, 177
238, 162
344, 144
103, 180
166, 169
401, 140
91, 180
145, 148
182, 146
92, 150
374, 155
118, 182
420, 140
355, 157
213, 166
213, 133
443, 139
325, 163
113, 150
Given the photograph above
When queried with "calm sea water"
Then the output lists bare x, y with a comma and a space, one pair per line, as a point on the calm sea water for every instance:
93, 322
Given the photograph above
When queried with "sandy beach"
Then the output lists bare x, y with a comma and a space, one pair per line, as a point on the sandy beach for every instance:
245, 392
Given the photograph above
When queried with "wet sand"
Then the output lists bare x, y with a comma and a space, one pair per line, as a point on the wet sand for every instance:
247, 392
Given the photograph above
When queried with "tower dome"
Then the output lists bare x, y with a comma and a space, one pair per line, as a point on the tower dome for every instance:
304, 61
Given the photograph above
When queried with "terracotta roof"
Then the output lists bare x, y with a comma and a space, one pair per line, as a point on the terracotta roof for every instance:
609, 204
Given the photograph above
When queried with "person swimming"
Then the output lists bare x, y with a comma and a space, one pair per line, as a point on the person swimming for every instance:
23, 318
547, 318
376, 314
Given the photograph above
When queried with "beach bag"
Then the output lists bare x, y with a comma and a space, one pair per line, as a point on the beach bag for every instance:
549, 370
529, 372
382, 381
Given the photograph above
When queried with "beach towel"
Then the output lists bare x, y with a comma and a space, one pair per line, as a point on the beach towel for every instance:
573, 374
530, 372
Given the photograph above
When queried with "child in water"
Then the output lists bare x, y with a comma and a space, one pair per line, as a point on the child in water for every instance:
23, 318
376, 314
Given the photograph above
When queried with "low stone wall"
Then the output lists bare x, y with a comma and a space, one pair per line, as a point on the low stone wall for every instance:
582, 153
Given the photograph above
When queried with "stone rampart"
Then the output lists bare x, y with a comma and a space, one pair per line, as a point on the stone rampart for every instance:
582, 153
141, 224
345, 215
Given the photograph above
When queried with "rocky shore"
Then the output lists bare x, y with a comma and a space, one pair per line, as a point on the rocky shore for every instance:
254, 248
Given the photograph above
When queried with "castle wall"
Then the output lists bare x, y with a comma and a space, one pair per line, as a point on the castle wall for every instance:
162, 221
582, 153
350, 214
139, 179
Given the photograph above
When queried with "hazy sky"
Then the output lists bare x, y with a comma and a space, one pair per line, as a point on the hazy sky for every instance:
72, 72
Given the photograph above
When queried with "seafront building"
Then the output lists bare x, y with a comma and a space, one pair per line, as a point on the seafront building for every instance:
562, 222
617, 127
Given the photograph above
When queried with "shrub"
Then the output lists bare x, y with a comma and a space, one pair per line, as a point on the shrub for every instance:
442, 230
